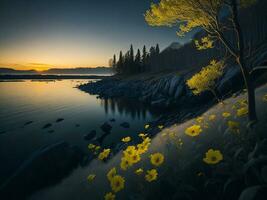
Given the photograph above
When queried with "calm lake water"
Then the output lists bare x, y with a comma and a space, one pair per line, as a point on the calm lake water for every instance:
44, 102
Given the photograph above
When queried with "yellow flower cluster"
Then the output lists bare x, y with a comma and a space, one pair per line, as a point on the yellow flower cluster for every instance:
234, 126
226, 114
132, 154
213, 157
193, 131
104, 154
126, 139
205, 79
156, 159
151, 175
264, 98
91, 177
242, 111
110, 196
204, 43
212, 117
147, 126
111, 173
117, 183
139, 171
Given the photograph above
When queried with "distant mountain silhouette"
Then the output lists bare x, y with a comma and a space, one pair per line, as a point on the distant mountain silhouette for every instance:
173, 46
97, 70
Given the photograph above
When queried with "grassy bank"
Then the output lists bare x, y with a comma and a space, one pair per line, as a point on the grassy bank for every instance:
188, 171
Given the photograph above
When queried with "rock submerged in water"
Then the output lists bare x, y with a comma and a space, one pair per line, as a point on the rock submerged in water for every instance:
112, 120
45, 167
90, 135
47, 126
59, 120
106, 127
125, 125
27, 123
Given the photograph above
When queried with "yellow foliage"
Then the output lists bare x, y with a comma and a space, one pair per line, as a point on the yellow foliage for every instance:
188, 14
205, 79
204, 43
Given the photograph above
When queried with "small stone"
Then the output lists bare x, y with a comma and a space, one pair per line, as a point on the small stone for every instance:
59, 120
112, 120
47, 126
27, 123
125, 125
106, 127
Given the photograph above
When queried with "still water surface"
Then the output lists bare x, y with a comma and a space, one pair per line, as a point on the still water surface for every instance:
44, 102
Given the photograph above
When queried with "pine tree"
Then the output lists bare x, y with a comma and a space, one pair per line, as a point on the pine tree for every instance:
120, 63
157, 49
137, 61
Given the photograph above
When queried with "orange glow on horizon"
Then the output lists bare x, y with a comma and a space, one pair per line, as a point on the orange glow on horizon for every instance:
42, 67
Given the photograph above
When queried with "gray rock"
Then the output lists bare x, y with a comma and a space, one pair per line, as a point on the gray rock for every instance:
47, 126
59, 120
125, 125
106, 127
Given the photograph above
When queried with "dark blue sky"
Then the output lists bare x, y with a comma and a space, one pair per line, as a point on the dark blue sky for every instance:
72, 33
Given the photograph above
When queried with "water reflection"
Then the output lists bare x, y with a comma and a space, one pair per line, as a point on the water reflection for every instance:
136, 110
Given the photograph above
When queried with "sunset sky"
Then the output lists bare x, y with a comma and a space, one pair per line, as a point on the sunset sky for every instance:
41, 34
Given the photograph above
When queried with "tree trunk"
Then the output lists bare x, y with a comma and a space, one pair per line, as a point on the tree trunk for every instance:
252, 115
245, 72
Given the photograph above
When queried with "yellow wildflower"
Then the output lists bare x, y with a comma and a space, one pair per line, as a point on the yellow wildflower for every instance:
212, 117
97, 148
111, 173
146, 126
164, 134
242, 111
110, 196
117, 183
151, 175
91, 177
125, 163
226, 114
142, 135
264, 98
91, 146
213, 157
129, 151
147, 141
139, 171
193, 131
126, 139
234, 126
135, 157
142, 148
172, 135
156, 159
104, 154
200, 119
243, 102
160, 126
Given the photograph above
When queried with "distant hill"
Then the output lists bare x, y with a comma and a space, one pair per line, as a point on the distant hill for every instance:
13, 71
97, 70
